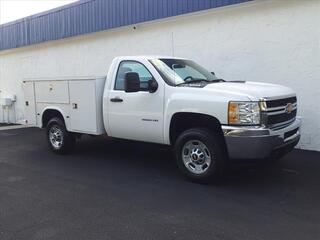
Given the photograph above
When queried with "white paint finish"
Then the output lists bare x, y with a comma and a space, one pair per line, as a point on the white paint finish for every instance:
30, 103
64, 109
52, 92
140, 115
83, 106
266, 41
197, 100
85, 92
99, 90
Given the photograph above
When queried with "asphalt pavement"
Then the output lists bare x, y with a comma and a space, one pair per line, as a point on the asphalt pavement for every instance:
112, 189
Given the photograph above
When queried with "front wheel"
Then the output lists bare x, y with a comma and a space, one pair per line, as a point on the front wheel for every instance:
59, 139
200, 155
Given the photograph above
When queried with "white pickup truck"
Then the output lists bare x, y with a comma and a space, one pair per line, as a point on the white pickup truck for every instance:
172, 101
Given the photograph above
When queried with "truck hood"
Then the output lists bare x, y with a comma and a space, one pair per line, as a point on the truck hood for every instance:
253, 90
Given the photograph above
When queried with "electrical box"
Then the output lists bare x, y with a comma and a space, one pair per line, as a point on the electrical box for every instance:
6, 101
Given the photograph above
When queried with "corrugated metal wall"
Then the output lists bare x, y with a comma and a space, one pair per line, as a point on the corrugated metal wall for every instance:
89, 16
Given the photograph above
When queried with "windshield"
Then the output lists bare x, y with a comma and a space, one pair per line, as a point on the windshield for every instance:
179, 71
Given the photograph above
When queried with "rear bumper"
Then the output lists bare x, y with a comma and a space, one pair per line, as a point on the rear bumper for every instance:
259, 142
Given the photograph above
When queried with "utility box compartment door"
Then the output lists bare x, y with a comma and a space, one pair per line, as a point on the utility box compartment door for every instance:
52, 92
30, 103
83, 109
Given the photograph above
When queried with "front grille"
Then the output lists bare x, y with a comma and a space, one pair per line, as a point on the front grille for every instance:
281, 102
281, 118
280, 112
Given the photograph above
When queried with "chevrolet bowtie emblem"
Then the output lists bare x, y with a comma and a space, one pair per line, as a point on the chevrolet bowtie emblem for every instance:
289, 108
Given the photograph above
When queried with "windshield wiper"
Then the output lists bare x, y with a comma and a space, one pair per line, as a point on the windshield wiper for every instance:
218, 80
193, 81
198, 80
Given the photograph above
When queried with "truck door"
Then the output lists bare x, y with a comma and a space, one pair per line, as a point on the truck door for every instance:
83, 112
30, 103
139, 115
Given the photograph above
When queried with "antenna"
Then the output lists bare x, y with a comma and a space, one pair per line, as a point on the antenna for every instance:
172, 47
172, 43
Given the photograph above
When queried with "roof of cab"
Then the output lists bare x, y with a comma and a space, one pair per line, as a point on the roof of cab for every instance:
147, 57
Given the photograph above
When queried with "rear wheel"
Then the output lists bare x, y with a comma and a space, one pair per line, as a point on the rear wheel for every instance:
59, 139
200, 155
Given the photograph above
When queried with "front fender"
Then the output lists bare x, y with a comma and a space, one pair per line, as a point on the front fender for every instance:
193, 103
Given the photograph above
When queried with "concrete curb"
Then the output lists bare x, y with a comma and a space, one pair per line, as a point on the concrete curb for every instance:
15, 127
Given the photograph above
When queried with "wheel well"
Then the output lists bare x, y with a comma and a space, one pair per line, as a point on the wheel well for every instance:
181, 122
49, 114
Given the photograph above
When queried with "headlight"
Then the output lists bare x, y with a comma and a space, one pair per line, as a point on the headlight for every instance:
244, 113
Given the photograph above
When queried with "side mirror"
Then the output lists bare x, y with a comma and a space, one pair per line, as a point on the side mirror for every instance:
213, 73
152, 85
131, 82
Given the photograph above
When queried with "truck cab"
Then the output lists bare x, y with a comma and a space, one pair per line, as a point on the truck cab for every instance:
174, 101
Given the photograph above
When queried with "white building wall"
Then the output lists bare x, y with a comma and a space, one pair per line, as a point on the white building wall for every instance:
267, 41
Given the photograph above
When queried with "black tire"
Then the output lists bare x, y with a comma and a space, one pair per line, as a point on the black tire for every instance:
66, 141
214, 148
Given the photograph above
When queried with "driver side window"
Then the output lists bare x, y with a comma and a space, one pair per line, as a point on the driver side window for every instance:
132, 66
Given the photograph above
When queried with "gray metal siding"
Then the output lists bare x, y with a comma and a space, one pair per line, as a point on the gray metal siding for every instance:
89, 16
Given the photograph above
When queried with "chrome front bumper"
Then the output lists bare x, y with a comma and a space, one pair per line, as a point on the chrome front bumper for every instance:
259, 142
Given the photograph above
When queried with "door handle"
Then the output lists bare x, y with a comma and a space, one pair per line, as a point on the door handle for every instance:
116, 99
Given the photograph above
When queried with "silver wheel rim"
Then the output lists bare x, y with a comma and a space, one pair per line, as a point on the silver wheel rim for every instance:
56, 137
196, 156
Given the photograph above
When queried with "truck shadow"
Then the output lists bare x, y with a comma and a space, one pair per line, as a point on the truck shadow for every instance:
149, 170
130, 153
152, 159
